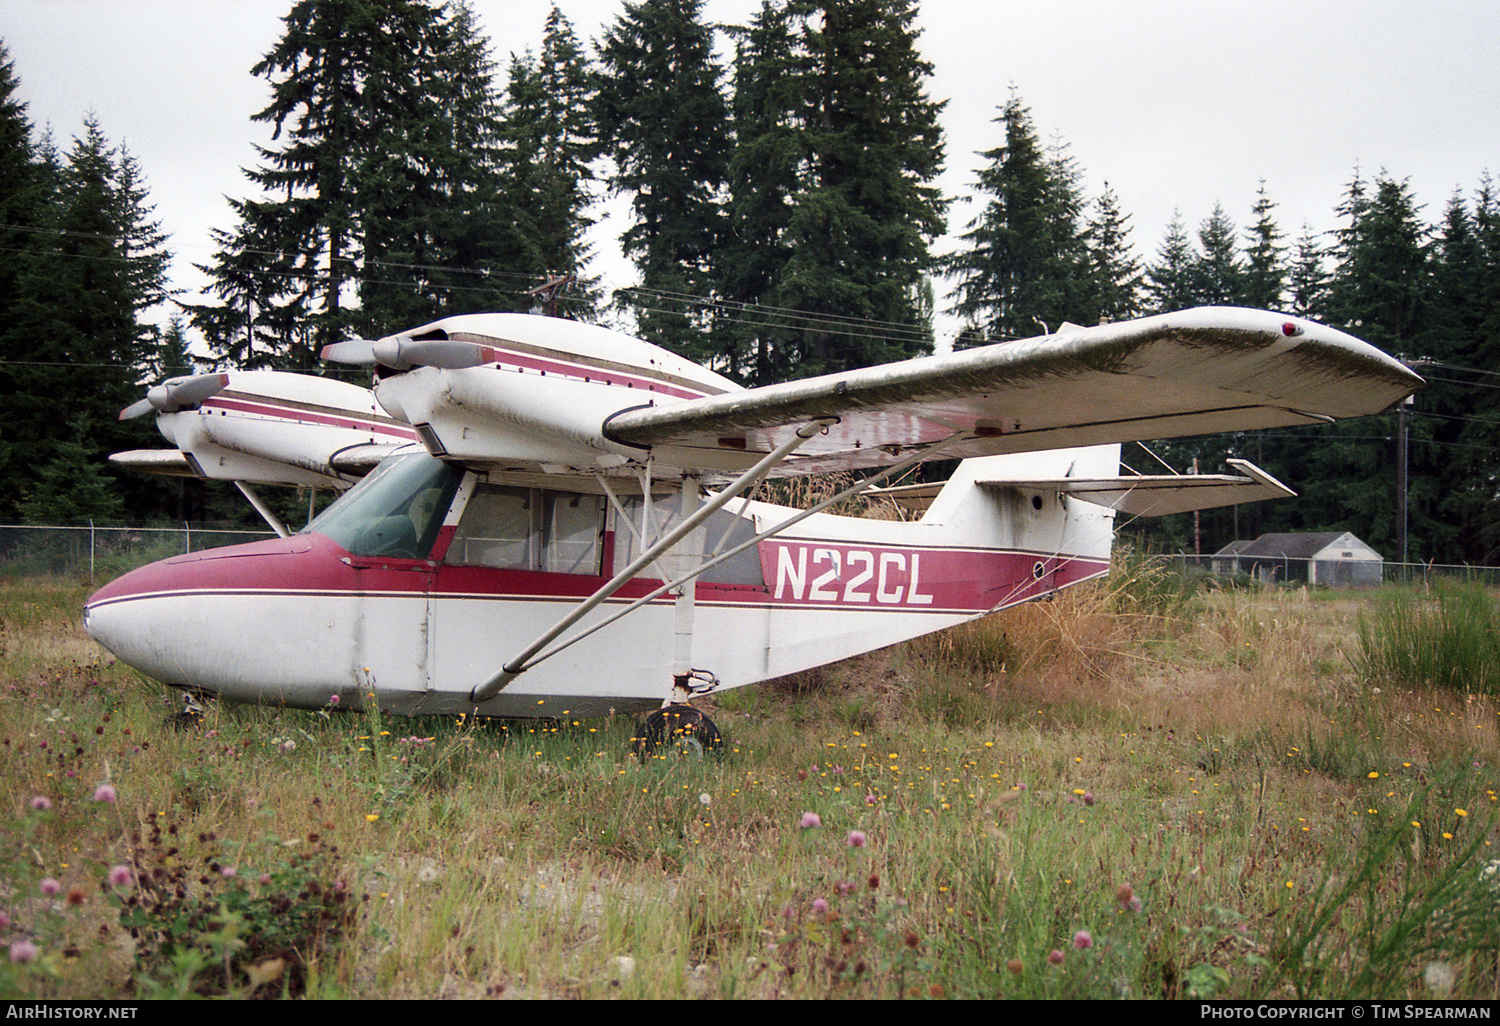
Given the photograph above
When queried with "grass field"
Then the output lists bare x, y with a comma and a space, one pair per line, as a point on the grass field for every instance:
1126, 792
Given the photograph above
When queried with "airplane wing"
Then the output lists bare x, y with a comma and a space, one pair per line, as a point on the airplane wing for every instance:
1202, 371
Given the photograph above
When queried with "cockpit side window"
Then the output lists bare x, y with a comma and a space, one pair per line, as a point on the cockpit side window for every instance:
395, 512
530, 529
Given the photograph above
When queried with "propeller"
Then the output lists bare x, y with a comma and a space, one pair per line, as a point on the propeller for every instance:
177, 393
402, 353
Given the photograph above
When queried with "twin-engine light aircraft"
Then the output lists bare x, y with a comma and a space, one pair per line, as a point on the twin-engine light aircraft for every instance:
551, 518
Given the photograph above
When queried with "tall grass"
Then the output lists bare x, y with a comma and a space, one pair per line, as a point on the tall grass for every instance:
1445, 637
1153, 804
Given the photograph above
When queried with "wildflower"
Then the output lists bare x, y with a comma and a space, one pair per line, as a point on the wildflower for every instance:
1014, 965
229, 872
869, 799
41, 803
1374, 775
811, 819
50, 886
371, 817
1440, 978
1124, 894
1055, 957
1460, 812
75, 896
104, 793
22, 951
1088, 798
820, 906
119, 876
856, 839
704, 799
1083, 940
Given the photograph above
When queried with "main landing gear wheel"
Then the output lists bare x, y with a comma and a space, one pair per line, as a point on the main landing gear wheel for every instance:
679, 728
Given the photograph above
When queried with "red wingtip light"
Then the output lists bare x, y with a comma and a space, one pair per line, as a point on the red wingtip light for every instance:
1291, 330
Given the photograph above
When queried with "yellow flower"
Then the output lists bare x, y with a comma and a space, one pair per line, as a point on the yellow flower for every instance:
1461, 812
1373, 775
371, 817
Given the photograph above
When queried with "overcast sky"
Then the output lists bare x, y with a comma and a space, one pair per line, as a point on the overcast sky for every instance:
1177, 104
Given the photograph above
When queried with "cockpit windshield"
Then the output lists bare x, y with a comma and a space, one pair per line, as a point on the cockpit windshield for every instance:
395, 512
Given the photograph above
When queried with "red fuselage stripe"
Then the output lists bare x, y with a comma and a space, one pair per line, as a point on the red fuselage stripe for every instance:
507, 359
301, 415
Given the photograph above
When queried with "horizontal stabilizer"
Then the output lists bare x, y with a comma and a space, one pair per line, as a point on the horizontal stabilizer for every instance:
1136, 494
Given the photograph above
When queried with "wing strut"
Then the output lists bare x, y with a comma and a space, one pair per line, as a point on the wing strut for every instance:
263, 510
848, 493
524, 661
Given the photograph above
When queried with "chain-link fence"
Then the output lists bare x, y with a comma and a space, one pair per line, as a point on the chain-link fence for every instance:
1297, 571
96, 553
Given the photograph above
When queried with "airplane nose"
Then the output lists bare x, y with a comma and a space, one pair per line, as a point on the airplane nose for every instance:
121, 619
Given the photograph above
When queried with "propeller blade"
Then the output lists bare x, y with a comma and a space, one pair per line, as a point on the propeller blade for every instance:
358, 351
441, 353
176, 393
192, 391
137, 409
402, 353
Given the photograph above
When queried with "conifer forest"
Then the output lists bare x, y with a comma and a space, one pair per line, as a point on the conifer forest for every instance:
784, 221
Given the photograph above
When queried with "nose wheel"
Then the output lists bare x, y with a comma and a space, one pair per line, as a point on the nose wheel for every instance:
677, 728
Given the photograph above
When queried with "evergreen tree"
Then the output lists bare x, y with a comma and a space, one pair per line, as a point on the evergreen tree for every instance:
764, 178
551, 145
1021, 272
23, 195
867, 210
1381, 291
665, 123
1114, 279
22, 185
1170, 280
385, 183
1265, 273
1217, 275
82, 350
437, 233
1307, 277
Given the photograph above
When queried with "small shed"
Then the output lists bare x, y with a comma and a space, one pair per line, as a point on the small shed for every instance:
1334, 559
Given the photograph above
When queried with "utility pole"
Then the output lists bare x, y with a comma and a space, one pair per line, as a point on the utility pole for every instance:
550, 288
1402, 413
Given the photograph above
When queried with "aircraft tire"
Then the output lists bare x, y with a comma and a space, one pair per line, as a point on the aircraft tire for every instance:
677, 728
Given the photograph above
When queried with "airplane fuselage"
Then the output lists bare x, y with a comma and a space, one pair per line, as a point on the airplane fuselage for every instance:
418, 613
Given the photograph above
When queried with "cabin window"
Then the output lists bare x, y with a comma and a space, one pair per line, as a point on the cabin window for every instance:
394, 512
723, 531
530, 529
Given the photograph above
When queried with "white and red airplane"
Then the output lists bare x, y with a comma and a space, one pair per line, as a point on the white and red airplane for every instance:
558, 524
